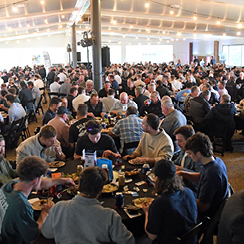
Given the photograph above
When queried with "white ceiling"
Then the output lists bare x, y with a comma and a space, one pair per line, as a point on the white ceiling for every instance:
129, 18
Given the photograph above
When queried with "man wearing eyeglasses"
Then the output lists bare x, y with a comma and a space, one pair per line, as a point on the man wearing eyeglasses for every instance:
93, 141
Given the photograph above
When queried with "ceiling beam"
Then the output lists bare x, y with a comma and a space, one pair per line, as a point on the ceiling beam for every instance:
37, 15
137, 15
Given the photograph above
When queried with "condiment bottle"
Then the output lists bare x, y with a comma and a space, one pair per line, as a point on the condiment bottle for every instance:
105, 168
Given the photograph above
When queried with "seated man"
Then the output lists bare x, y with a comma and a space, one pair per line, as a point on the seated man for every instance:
17, 220
81, 98
183, 161
153, 106
121, 106
130, 88
95, 107
11, 91
78, 129
25, 96
109, 100
105, 224
174, 212
154, 145
140, 98
89, 88
62, 130
43, 144
94, 140
55, 86
65, 87
231, 224
128, 129
103, 92
212, 180
181, 95
15, 111
6, 171
72, 95
51, 112
173, 120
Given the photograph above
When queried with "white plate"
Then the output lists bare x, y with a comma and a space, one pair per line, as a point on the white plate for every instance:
128, 180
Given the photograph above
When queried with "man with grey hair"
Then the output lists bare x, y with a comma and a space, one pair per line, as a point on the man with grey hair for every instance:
89, 88
172, 121
152, 106
199, 107
140, 98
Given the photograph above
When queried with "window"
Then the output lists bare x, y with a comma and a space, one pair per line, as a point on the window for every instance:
234, 55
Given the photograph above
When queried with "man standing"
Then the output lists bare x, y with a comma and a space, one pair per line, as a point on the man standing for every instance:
195, 91
128, 129
85, 212
172, 121
36, 94
154, 145
153, 106
51, 112
183, 161
121, 106
212, 180
72, 95
43, 144
95, 107
62, 130
17, 221
199, 107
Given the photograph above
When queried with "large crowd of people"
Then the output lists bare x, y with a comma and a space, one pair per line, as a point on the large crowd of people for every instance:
171, 110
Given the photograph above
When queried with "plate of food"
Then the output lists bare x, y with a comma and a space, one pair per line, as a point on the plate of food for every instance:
56, 164
131, 174
109, 188
138, 201
132, 161
39, 204
73, 190
75, 177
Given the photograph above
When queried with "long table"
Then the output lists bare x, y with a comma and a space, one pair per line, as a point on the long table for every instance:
135, 225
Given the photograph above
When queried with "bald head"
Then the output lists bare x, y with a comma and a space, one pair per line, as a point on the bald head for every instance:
124, 99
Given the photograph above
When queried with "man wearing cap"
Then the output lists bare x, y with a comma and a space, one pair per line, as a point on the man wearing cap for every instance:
62, 130
93, 141
154, 145
175, 204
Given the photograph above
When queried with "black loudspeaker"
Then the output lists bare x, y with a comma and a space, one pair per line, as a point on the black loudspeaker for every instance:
78, 56
105, 57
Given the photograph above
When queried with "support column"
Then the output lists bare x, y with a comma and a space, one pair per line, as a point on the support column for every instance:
74, 55
190, 52
96, 48
216, 51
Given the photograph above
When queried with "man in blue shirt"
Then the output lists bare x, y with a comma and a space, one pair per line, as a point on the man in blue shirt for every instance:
212, 180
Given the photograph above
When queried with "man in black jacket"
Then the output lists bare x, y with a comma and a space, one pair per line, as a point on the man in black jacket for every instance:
199, 107
95, 107
140, 98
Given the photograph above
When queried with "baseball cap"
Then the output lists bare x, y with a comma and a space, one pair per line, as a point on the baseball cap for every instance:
62, 110
164, 169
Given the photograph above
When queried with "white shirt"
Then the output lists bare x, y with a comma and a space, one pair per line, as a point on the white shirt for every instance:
54, 87
38, 83
109, 102
80, 99
62, 77
118, 79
